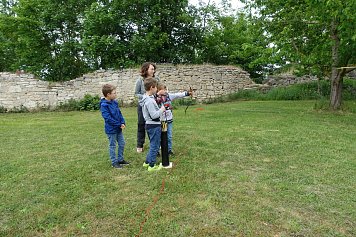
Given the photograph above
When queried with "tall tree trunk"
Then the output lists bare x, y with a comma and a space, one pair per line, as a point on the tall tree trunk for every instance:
336, 74
336, 90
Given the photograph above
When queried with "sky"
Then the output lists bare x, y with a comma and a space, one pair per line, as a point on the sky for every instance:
235, 4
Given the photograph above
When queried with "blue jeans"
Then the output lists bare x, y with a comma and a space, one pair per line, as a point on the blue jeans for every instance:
154, 134
119, 138
170, 135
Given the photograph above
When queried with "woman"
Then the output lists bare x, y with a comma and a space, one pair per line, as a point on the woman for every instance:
148, 69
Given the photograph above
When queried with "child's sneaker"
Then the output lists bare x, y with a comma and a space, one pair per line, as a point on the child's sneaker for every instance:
124, 162
139, 149
117, 166
154, 168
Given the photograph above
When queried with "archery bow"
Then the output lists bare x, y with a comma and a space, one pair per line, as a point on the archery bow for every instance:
190, 102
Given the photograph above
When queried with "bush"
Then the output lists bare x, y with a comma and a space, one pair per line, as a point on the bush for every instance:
70, 105
3, 109
246, 94
306, 91
21, 109
183, 102
88, 103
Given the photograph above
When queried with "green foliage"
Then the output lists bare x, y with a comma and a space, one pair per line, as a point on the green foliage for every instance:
319, 90
349, 89
3, 109
43, 37
245, 94
20, 109
184, 102
322, 104
88, 103
316, 37
237, 40
70, 105
58, 41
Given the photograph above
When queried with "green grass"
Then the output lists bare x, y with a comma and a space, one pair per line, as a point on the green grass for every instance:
246, 168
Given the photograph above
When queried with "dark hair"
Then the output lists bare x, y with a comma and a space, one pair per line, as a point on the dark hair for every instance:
108, 88
144, 68
149, 82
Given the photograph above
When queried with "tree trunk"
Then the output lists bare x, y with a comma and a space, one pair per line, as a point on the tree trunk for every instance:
336, 91
336, 74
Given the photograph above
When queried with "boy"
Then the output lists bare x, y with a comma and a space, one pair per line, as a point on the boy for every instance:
152, 113
114, 123
165, 98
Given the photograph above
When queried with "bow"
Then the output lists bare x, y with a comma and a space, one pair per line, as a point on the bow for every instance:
190, 92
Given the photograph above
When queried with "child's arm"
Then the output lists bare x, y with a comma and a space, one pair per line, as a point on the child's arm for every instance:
105, 112
174, 96
122, 120
154, 111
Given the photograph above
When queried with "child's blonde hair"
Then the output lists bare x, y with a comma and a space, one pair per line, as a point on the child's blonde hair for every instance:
161, 86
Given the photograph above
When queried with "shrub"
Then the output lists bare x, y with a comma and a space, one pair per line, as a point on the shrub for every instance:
70, 105
21, 109
246, 94
306, 91
88, 103
183, 102
3, 109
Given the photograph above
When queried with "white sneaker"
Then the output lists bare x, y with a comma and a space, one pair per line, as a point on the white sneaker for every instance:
139, 150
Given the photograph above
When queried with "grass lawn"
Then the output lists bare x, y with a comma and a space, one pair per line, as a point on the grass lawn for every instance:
247, 168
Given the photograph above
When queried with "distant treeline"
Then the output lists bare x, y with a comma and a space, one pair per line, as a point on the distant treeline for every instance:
60, 41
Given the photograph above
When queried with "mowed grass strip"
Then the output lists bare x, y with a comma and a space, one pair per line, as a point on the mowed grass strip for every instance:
271, 168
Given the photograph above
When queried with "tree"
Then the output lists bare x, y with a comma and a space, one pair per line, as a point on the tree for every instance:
107, 34
44, 37
236, 40
165, 31
318, 35
7, 47
60, 40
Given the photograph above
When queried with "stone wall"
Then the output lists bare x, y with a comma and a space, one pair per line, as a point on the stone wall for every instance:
18, 90
288, 79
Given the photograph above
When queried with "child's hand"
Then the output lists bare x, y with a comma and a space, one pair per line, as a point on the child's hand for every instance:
161, 92
163, 108
190, 92
122, 126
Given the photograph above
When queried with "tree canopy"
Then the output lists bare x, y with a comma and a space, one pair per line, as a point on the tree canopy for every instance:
59, 40
315, 36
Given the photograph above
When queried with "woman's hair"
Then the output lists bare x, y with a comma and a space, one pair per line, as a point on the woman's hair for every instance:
108, 88
144, 68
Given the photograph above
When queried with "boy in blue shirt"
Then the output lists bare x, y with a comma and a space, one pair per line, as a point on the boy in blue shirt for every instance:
152, 113
114, 123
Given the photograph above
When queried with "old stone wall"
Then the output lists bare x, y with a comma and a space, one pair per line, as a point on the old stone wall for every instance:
17, 90
288, 79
